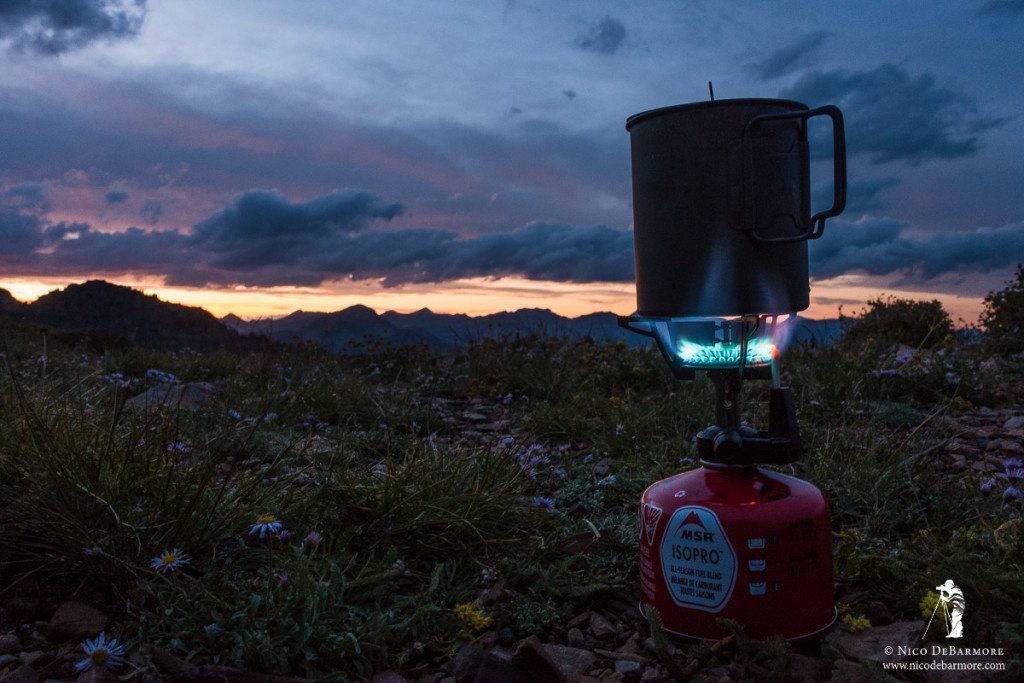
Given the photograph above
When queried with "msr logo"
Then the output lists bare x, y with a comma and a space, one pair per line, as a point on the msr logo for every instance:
699, 536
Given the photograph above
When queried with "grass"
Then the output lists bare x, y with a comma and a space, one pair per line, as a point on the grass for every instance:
417, 518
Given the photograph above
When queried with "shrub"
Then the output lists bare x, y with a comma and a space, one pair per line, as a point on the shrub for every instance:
1003, 317
891, 320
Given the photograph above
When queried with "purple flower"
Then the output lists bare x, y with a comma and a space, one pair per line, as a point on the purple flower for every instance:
558, 472
234, 414
589, 458
314, 538
283, 535
988, 484
544, 502
507, 441
282, 578
1012, 492
610, 480
619, 429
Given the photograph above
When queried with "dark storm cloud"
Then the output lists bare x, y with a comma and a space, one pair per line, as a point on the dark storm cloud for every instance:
263, 227
56, 26
26, 196
879, 246
1002, 7
113, 197
263, 239
788, 59
893, 116
20, 234
604, 37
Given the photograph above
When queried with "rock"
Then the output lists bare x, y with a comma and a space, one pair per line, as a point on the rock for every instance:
570, 660
612, 677
846, 671
1012, 447
574, 638
652, 673
601, 627
474, 417
1016, 422
869, 645
532, 659
388, 677
23, 674
7, 659
188, 396
22, 607
878, 614
30, 658
628, 668
76, 620
472, 664
578, 620
9, 643
99, 675
803, 668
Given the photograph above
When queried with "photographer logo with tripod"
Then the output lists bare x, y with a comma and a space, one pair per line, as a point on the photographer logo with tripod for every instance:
951, 599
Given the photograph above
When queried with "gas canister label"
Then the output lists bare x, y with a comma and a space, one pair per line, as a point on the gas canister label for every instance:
697, 560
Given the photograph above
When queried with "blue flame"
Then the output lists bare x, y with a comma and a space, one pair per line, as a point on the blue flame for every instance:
721, 355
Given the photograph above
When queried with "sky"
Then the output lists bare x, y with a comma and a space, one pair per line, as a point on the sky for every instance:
470, 156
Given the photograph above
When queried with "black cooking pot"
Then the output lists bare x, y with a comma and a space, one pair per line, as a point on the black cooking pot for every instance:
721, 206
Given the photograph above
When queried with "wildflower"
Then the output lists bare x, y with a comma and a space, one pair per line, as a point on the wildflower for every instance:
588, 458
610, 480
558, 472
507, 441
282, 578
488, 575
475, 618
265, 523
988, 484
90, 551
399, 568
269, 417
234, 414
856, 624
161, 376
284, 535
314, 538
544, 502
619, 429
101, 652
213, 630
1012, 492
169, 560
927, 604
178, 447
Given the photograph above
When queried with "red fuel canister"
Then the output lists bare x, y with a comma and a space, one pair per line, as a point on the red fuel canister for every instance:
737, 542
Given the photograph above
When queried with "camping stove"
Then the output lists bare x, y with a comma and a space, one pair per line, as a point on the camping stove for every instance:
721, 219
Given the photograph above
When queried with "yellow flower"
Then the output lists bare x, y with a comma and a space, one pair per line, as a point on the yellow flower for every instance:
856, 624
844, 608
473, 616
927, 604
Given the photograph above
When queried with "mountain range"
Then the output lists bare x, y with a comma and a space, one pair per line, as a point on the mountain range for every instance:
148, 321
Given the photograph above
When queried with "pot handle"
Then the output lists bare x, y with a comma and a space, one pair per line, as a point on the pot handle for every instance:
817, 226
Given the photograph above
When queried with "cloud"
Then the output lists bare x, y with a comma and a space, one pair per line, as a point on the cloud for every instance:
790, 58
881, 246
27, 196
263, 239
262, 227
605, 37
1002, 7
861, 194
893, 116
56, 26
152, 210
113, 197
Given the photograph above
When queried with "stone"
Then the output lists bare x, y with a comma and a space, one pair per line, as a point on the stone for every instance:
1012, 447
9, 643
76, 620
388, 677
7, 659
97, 675
189, 396
570, 660
627, 668
652, 673
532, 659
474, 417
878, 614
23, 674
473, 664
868, 645
1016, 422
30, 658
803, 668
845, 671
601, 627
575, 638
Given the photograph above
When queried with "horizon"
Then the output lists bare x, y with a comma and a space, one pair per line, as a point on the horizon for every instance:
383, 310
359, 158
